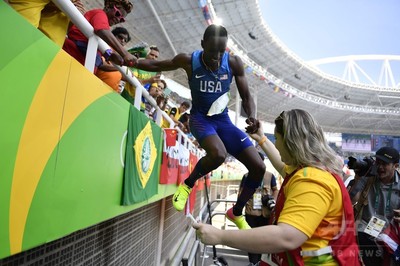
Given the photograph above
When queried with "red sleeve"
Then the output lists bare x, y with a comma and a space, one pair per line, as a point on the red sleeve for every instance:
98, 19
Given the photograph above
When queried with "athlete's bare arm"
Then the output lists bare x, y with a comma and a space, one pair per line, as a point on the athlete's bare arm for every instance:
179, 61
241, 82
247, 101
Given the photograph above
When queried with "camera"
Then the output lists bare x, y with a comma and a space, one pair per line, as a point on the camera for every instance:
363, 167
268, 201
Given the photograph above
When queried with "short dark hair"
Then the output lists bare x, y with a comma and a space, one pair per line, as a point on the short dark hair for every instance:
164, 82
186, 103
155, 48
215, 31
121, 30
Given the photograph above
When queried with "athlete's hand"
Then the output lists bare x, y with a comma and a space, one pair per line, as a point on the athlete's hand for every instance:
129, 60
207, 233
254, 125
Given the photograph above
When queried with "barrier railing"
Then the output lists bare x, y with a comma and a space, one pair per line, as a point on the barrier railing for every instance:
96, 43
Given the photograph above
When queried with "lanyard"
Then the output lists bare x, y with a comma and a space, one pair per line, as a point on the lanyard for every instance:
377, 198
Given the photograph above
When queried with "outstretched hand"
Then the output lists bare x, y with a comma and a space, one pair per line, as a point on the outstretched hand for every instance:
129, 60
253, 125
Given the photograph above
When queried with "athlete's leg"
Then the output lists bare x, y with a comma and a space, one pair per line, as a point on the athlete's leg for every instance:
238, 145
203, 129
251, 159
215, 156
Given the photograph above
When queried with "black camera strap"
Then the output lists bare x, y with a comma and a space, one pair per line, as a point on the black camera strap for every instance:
363, 199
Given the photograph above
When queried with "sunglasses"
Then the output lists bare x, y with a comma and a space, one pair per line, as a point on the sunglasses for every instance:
118, 14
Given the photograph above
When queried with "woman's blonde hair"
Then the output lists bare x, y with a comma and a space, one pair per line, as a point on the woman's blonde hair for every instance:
306, 142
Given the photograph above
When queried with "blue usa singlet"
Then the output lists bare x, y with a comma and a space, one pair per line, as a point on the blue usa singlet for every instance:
207, 86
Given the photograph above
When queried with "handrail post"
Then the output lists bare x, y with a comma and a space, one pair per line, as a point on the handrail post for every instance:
91, 53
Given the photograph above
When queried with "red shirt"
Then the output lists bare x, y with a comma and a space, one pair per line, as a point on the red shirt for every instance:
97, 18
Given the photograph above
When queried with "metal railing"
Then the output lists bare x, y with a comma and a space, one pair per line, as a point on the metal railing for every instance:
180, 258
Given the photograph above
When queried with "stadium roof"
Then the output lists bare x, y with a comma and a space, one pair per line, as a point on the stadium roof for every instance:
279, 79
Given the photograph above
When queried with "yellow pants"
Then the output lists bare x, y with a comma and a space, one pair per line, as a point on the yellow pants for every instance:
45, 16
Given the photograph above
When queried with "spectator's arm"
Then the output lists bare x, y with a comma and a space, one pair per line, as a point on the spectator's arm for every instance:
151, 80
108, 67
110, 39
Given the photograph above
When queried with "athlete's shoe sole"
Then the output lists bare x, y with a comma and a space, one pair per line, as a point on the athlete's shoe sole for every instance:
180, 197
239, 221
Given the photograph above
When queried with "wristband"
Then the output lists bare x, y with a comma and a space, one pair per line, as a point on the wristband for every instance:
261, 142
107, 54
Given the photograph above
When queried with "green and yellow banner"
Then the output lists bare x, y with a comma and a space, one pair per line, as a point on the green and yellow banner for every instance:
142, 158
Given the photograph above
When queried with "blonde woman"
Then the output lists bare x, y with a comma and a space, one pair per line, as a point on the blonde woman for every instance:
313, 218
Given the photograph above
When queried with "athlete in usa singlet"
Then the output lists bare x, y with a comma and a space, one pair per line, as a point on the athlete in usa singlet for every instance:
207, 87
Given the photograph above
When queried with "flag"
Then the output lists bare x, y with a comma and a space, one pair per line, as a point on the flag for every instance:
142, 158
193, 159
170, 158
183, 172
200, 184
390, 240
191, 202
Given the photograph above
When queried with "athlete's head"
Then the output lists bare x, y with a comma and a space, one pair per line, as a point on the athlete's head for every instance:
214, 43
301, 142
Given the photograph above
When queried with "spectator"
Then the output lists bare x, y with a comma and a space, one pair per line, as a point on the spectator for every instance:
45, 15
210, 72
114, 12
185, 120
155, 90
122, 35
313, 219
107, 72
145, 77
162, 101
378, 198
258, 208
175, 114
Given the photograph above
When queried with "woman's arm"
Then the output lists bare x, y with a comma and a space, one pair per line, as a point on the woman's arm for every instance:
265, 239
269, 148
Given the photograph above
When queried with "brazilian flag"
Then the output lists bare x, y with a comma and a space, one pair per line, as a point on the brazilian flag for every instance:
142, 158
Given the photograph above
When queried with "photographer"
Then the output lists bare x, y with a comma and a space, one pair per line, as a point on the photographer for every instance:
377, 197
258, 208
363, 169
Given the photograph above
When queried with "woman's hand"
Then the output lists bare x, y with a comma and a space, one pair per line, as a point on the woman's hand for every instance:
258, 134
207, 233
